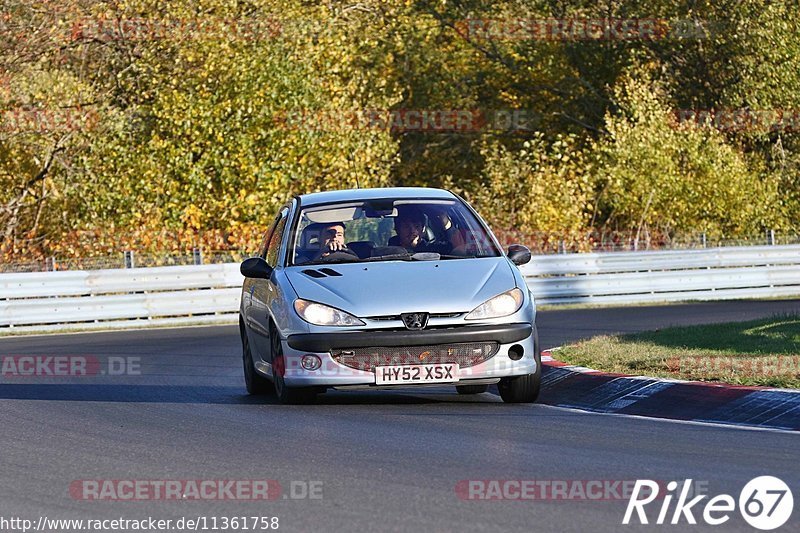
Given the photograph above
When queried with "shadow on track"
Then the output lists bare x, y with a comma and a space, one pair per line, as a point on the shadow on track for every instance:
233, 395
127, 393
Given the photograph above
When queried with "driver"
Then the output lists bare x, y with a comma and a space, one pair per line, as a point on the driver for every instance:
331, 240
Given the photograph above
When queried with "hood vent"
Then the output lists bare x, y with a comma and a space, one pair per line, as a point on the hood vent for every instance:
321, 273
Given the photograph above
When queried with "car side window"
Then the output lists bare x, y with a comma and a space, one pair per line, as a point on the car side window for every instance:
262, 249
274, 245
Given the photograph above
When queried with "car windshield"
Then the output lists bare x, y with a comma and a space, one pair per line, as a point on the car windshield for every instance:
389, 230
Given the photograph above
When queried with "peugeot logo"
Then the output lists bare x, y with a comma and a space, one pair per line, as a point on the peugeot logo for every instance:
415, 320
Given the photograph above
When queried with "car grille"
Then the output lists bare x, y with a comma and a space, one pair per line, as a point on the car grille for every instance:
465, 354
389, 318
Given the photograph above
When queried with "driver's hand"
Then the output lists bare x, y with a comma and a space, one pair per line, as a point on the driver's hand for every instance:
334, 246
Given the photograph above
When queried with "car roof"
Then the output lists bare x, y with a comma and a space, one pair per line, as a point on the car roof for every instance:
423, 193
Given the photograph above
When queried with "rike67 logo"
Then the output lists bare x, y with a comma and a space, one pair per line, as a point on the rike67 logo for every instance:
765, 503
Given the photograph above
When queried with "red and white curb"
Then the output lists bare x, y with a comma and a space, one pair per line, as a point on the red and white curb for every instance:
583, 388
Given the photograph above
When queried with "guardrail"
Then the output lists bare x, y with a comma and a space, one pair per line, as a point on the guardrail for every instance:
137, 297
209, 294
635, 277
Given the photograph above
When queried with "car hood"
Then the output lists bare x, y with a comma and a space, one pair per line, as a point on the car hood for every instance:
393, 287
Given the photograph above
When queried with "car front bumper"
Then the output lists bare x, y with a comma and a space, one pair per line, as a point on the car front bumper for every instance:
334, 374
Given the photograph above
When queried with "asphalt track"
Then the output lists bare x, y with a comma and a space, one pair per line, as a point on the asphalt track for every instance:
385, 461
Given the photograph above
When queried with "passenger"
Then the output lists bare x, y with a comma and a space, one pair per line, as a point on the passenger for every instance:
412, 233
452, 238
409, 226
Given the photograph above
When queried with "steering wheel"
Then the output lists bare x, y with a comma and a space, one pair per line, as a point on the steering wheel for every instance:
344, 255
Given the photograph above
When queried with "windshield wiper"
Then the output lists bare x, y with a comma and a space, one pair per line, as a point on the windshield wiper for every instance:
408, 256
334, 259
391, 257
426, 256
418, 256
318, 262
445, 256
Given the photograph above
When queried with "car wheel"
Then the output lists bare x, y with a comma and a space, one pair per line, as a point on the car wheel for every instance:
524, 389
286, 394
255, 382
471, 389
520, 389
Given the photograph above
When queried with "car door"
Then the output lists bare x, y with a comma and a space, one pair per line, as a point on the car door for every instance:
263, 291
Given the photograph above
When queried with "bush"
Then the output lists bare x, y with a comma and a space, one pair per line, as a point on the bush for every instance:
541, 192
654, 172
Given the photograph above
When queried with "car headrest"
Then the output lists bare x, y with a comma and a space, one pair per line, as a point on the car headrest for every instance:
362, 248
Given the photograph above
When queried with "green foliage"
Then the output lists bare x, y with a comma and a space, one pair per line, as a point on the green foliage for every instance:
677, 177
212, 145
202, 117
545, 185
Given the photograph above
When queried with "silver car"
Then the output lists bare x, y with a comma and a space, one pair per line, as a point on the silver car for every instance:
386, 288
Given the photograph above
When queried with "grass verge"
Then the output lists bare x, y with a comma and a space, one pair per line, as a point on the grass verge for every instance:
759, 352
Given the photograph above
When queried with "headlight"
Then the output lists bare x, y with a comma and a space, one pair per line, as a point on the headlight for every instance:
324, 315
504, 304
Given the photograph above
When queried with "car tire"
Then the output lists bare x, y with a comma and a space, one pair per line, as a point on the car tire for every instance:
520, 389
286, 395
254, 382
471, 389
524, 389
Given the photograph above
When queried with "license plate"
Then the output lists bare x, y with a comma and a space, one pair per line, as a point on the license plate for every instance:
430, 373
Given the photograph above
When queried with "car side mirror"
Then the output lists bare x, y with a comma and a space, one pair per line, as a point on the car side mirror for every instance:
255, 267
519, 254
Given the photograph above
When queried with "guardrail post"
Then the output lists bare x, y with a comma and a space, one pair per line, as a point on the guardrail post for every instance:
562, 248
50, 264
197, 255
771, 237
703, 239
129, 260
